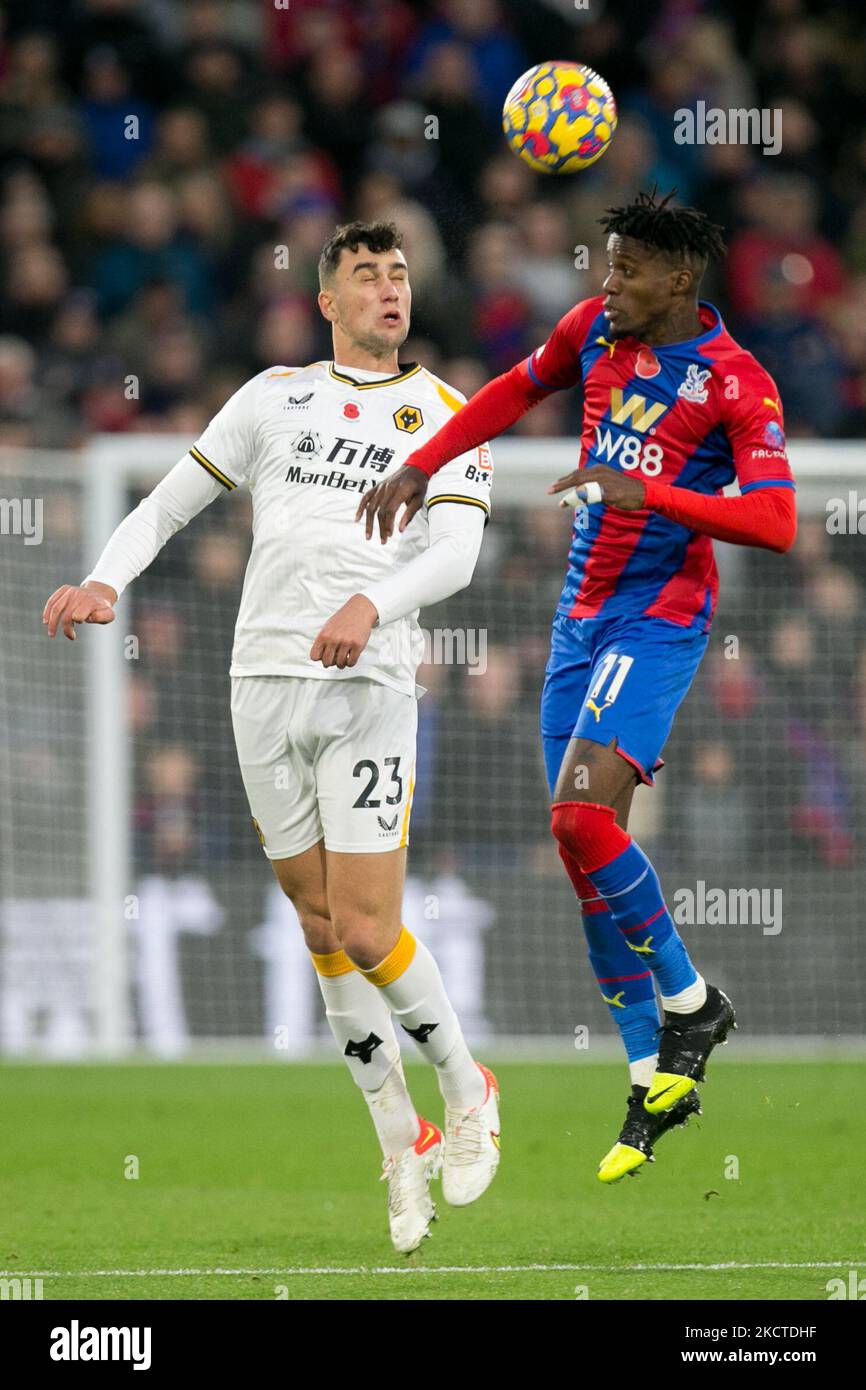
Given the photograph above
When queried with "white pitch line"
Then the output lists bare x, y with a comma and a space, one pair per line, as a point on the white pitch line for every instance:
428, 1269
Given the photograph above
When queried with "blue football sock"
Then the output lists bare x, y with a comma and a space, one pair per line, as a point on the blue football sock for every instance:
628, 992
630, 886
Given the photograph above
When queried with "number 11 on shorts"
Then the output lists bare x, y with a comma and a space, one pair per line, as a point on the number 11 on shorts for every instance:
611, 660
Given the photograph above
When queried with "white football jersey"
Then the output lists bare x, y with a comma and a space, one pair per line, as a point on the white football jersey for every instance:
307, 442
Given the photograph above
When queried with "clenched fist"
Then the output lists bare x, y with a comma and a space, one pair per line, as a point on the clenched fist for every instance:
72, 603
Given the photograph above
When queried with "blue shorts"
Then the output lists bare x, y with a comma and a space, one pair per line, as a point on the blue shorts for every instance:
620, 678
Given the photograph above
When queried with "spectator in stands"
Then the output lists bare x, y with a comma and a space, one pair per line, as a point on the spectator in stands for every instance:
546, 272
119, 125
337, 119
715, 823
216, 84
19, 398
501, 308
799, 353
449, 87
181, 146
151, 247
782, 211
498, 59
816, 795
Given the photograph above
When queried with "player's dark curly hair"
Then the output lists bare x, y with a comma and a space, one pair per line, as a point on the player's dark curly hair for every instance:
376, 236
676, 231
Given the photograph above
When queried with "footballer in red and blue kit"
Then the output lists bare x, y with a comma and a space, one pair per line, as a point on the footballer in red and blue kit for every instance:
695, 415
674, 411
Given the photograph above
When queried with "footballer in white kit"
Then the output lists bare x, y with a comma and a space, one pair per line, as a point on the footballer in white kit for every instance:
308, 441
324, 701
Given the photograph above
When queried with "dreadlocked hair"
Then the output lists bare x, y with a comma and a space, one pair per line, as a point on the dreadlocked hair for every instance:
676, 231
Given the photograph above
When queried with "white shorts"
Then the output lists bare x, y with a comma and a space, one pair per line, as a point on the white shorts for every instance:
325, 759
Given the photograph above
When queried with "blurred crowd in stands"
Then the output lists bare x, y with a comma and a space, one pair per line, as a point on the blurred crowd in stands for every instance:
156, 156
153, 155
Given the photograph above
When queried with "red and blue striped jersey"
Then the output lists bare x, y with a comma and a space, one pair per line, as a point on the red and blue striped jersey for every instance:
696, 415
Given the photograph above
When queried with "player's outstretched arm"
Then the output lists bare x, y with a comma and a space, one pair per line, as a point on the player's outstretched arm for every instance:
490, 411
138, 539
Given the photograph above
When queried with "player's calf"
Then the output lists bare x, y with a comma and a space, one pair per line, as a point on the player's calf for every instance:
621, 873
412, 1148
409, 980
406, 977
361, 1024
628, 993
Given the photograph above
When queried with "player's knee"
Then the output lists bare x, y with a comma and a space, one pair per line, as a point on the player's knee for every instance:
364, 937
316, 924
584, 830
319, 934
579, 881
358, 934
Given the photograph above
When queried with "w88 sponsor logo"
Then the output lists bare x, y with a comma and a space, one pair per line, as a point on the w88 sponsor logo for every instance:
629, 451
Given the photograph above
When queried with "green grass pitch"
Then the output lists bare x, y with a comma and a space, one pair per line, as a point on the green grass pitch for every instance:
269, 1172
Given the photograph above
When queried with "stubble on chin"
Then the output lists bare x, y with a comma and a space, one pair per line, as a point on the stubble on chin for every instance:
378, 346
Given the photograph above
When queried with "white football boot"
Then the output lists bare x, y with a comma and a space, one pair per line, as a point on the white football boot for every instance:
471, 1146
408, 1175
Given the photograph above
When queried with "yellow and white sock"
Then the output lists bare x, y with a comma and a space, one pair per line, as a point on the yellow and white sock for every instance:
360, 1021
409, 980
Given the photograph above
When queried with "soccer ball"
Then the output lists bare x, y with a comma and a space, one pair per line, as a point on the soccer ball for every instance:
559, 117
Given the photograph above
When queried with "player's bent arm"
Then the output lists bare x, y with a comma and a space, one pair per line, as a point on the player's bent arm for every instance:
179, 497
552, 367
766, 517
446, 566
490, 411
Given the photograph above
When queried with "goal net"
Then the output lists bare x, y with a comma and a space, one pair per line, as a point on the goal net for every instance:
136, 907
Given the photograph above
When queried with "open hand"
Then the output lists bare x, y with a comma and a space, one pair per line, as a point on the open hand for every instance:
408, 486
